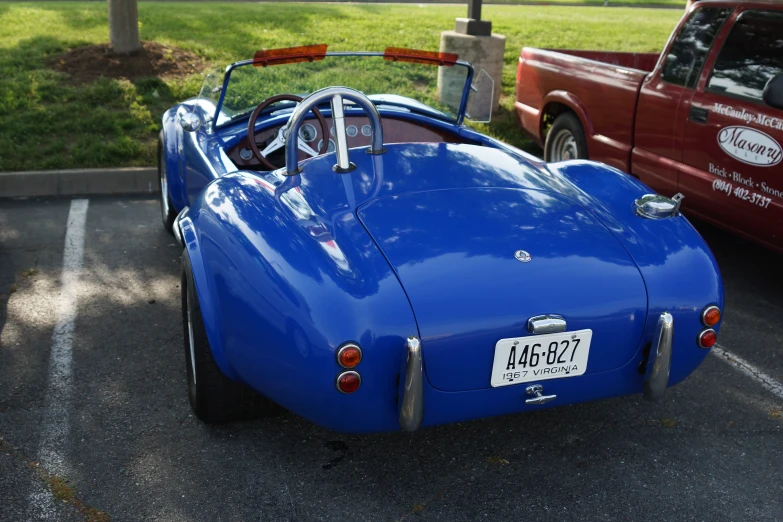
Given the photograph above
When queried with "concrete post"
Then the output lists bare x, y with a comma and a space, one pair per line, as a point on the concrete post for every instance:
484, 52
124, 26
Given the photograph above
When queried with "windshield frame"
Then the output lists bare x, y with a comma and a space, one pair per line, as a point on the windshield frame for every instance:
458, 120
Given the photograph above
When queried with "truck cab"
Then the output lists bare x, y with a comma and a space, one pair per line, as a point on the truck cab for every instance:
702, 125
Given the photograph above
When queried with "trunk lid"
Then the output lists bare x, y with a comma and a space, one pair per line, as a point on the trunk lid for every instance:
454, 253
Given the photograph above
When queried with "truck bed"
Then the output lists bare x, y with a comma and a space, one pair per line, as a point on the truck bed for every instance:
644, 62
604, 84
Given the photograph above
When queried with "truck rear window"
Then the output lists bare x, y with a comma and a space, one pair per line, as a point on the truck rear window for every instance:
683, 63
750, 57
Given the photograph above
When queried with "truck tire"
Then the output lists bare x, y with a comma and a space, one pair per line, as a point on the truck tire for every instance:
565, 140
167, 212
213, 397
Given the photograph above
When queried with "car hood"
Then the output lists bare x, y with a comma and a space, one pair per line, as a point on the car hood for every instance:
453, 251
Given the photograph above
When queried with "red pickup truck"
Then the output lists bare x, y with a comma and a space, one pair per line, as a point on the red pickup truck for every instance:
704, 118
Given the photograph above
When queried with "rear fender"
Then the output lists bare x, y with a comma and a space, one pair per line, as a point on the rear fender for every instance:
573, 104
678, 268
283, 284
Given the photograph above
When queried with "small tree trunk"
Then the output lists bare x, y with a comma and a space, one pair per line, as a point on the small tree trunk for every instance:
124, 26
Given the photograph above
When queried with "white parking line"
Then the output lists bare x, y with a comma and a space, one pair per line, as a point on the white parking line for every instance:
56, 426
748, 369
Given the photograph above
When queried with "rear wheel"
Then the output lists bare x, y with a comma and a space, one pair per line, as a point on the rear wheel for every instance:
566, 139
166, 209
214, 397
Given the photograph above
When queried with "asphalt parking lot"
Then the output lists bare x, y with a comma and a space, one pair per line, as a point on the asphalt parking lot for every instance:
105, 431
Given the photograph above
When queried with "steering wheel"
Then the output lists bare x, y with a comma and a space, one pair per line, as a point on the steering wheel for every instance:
279, 141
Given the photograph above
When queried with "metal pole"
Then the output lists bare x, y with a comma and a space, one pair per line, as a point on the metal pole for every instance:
474, 9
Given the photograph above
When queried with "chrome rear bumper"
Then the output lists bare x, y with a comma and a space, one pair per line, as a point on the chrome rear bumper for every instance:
412, 408
656, 375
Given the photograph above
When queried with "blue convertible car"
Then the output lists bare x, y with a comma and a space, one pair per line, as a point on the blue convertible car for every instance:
357, 255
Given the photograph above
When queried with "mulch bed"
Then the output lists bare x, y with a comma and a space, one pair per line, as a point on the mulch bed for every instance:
86, 64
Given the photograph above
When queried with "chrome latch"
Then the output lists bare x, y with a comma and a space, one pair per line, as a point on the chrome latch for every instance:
535, 392
546, 324
655, 206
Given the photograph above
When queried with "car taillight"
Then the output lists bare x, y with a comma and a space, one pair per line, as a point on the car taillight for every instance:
349, 382
349, 356
710, 316
707, 338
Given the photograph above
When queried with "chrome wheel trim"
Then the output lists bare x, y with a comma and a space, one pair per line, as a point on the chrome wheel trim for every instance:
564, 146
191, 343
164, 187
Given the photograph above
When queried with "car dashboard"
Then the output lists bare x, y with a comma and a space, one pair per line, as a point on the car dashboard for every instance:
358, 134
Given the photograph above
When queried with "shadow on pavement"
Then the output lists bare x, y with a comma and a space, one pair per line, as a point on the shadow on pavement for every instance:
709, 451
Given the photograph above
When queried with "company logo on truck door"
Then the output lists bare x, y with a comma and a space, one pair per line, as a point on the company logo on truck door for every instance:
750, 146
759, 118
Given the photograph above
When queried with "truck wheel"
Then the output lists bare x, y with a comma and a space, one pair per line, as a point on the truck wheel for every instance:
166, 208
214, 397
565, 140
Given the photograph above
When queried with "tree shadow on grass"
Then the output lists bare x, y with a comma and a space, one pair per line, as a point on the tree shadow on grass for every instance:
236, 27
48, 122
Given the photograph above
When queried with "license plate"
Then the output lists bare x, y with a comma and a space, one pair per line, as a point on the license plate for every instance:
540, 357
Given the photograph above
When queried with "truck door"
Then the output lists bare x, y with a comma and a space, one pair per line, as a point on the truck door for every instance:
732, 169
658, 128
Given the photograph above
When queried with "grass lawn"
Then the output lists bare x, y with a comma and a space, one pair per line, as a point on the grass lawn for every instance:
47, 122
663, 3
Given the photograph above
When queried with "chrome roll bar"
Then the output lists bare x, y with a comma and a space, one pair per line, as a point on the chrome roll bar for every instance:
412, 408
336, 95
656, 375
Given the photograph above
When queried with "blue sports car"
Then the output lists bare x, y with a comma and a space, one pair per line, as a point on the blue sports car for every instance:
359, 256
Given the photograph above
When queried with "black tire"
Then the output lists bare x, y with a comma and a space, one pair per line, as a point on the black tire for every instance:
167, 212
566, 139
214, 397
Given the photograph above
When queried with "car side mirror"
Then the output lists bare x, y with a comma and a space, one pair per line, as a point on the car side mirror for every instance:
189, 121
773, 92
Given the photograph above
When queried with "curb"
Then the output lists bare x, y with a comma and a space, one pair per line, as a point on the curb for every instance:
79, 182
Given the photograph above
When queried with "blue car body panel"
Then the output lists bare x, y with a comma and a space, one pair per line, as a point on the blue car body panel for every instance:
678, 268
419, 241
438, 237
